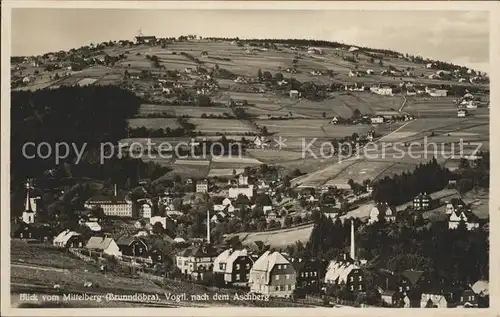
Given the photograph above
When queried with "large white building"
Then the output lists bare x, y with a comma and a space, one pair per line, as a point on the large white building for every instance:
247, 190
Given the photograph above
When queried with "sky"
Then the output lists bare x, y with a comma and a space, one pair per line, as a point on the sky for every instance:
460, 37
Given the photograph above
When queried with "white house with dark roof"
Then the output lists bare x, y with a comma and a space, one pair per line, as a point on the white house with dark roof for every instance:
272, 274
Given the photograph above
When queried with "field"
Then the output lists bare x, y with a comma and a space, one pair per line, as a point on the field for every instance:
277, 238
190, 111
225, 126
358, 172
154, 123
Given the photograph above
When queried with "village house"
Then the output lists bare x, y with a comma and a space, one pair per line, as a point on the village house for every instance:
145, 210
456, 298
382, 211
429, 65
158, 219
437, 92
68, 239
22, 230
294, 94
422, 202
410, 286
465, 215
104, 245
132, 246
377, 120
334, 120
461, 113
309, 273
202, 186
272, 274
353, 74
196, 262
232, 267
453, 205
370, 72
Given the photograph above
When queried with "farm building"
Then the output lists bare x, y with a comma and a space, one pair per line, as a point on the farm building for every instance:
68, 239
353, 49
437, 92
377, 119
370, 72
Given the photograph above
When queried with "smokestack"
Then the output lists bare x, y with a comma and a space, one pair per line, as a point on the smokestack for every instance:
353, 255
208, 226
28, 200
115, 191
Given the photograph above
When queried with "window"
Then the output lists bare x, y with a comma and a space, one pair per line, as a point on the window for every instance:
237, 266
288, 276
237, 277
248, 266
352, 278
360, 278
352, 287
277, 288
315, 273
282, 287
360, 287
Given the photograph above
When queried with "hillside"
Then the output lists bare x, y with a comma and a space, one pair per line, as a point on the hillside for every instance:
240, 89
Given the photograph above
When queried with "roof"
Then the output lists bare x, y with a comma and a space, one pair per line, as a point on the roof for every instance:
99, 243
388, 293
339, 271
267, 261
228, 257
413, 276
63, 237
149, 37
126, 240
198, 251
94, 226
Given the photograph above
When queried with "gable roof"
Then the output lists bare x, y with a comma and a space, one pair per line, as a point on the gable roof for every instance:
198, 251
99, 243
413, 276
338, 271
267, 261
